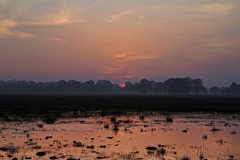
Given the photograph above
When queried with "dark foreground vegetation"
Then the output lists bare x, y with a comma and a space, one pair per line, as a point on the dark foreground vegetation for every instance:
39, 104
172, 86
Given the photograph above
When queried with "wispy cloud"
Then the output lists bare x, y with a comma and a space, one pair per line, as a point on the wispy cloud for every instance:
14, 14
119, 16
56, 40
142, 17
217, 8
122, 67
6, 30
128, 56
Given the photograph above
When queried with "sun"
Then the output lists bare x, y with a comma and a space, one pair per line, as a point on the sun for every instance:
122, 85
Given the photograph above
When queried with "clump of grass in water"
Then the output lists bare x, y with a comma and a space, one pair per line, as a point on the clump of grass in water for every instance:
169, 119
39, 125
130, 155
161, 151
214, 129
115, 128
141, 117
10, 149
49, 119
205, 137
113, 119
201, 156
185, 158
106, 126
220, 141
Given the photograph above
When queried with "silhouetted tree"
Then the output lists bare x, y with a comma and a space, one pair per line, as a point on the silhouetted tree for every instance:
104, 86
234, 88
90, 86
214, 90
73, 86
158, 87
177, 86
128, 87
145, 86
198, 86
185, 85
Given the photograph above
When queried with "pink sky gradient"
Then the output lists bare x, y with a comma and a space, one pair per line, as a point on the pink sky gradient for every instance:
120, 40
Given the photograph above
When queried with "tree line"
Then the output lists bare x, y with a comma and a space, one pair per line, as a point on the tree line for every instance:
172, 86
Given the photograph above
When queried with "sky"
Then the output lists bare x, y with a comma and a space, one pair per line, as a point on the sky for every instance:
120, 40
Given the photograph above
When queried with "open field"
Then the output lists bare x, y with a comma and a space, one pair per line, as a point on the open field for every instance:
44, 103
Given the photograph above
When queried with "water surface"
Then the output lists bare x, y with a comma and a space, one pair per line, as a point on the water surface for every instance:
131, 136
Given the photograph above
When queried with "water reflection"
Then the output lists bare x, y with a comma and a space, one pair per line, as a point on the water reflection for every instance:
179, 136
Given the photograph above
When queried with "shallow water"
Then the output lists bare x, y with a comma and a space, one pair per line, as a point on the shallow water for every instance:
196, 136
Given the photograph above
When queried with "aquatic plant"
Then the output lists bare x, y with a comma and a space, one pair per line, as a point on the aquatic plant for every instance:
77, 144
169, 119
113, 119
220, 141
39, 125
49, 119
201, 156
161, 151
106, 126
129, 156
141, 117
214, 129
9, 148
185, 158
115, 128
205, 137
40, 154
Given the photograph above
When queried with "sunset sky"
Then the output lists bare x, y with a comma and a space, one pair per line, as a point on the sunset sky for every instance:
120, 40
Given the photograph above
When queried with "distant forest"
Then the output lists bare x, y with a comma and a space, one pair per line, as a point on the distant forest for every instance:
172, 86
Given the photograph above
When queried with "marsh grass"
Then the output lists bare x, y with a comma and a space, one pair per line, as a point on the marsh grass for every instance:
125, 156
205, 137
161, 152
9, 148
185, 158
49, 119
215, 129
169, 119
201, 156
115, 128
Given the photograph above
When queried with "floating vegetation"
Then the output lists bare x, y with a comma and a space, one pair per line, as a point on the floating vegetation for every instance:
214, 129
115, 128
220, 141
40, 154
113, 119
151, 148
205, 137
185, 158
39, 125
141, 117
161, 151
9, 148
106, 126
169, 119
49, 119
77, 144
201, 156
